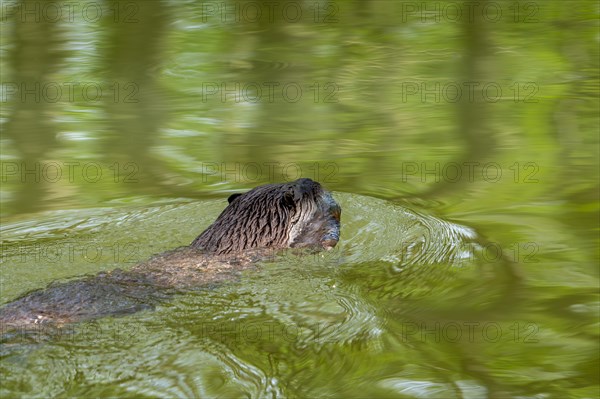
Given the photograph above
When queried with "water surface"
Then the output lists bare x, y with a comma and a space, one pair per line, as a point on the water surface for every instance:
463, 147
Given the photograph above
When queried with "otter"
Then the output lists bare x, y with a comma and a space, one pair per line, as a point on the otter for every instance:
298, 214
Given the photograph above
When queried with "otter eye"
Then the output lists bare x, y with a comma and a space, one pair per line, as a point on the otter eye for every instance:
232, 197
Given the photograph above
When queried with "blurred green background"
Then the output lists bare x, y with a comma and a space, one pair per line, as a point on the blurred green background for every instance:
485, 113
112, 100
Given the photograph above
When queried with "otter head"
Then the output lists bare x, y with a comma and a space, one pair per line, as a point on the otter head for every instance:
287, 215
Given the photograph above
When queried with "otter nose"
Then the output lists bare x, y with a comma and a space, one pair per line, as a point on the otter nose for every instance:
329, 243
332, 236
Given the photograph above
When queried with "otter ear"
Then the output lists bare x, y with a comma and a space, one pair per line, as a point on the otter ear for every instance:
288, 200
232, 197
293, 195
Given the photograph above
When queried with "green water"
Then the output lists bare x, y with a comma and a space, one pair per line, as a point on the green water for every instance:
461, 140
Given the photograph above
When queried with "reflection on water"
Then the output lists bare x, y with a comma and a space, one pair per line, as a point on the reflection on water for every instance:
305, 302
483, 114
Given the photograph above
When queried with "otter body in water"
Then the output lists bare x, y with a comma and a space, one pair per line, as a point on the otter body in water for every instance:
270, 217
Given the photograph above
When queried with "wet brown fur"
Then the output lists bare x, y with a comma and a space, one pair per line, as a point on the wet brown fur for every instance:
267, 218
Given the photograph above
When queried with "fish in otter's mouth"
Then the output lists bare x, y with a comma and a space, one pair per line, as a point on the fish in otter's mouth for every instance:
286, 215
